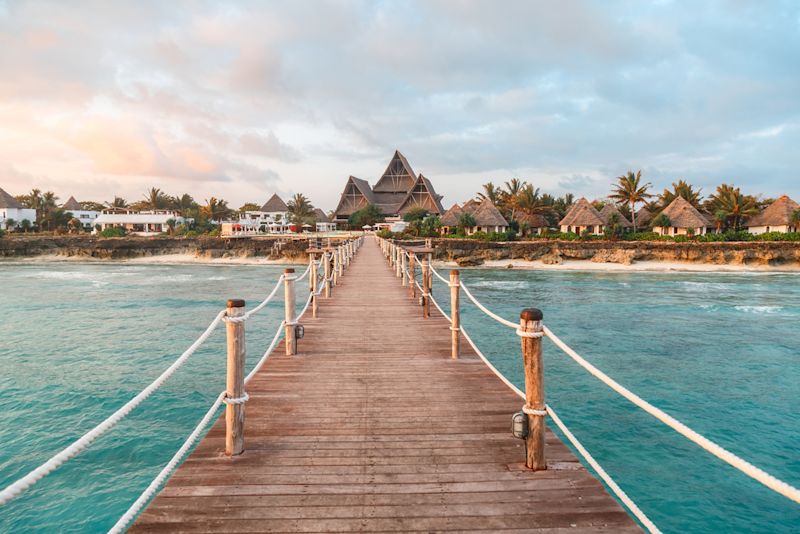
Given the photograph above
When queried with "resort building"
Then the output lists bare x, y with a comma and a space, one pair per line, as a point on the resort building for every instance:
11, 209
273, 217
86, 217
324, 224
487, 218
684, 219
611, 214
583, 217
643, 218
143, 223
397, 191
777, 217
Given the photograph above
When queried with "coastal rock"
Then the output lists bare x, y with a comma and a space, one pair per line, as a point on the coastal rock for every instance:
625, 257
469, 261
552, 259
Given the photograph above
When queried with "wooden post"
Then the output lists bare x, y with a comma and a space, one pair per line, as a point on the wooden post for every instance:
398, 262
403, 267
289, 305
530, 321
311, 271
335, 253
426, 296
326, 264
412, 274
455, 312
234, 413
314, 287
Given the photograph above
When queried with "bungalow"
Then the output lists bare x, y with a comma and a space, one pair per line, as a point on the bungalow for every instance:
487, 218
777, 217
86, 217
643, 218
684, 219
583, 217
451, 219
143, 223
532, 223
324, 223
610, 213
10, 208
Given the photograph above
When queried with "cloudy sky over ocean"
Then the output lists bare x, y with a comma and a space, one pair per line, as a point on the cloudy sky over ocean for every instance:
100, 98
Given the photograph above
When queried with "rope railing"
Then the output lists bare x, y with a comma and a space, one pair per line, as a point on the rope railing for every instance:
706, 444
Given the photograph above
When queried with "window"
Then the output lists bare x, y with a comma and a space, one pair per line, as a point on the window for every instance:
674, 230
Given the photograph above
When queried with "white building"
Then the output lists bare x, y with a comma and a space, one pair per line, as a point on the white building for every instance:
87, 217
273, 217
683, 218
324, 223
10, 208
778, 217
143, 223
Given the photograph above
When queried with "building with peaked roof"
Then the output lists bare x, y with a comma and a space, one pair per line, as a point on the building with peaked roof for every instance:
86, 217
610, 211
777, 217
451, 219
324, 223
397, 191
272, 217
532, 223
684, 219
643, 218
487, 218
11, 209
582, 217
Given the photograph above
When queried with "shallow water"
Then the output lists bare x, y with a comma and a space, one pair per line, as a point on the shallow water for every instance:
718, 351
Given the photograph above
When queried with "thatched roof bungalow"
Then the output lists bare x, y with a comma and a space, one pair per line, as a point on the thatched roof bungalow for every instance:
533, 223
684, 219
487, 218
583, 217
643, 218
610, 211
777, 217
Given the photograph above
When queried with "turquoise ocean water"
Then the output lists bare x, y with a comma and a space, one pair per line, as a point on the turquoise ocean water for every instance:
718, 351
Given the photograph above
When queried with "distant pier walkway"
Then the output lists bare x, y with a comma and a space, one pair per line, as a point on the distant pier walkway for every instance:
373, 427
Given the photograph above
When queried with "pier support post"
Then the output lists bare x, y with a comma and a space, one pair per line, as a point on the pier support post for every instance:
314, 286
398, 260
530, 322
289, 305
412, 274
326, 265
311, 258
234, 413
426, 295
455, 312
403, 267
336, 260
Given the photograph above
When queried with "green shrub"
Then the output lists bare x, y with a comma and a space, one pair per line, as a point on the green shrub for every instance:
113, 232
2, 232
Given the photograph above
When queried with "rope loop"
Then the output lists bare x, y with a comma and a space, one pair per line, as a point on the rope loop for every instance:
232, 401
532, 335
527, 410
236, 320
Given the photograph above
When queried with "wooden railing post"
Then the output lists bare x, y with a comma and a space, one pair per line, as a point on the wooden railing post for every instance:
289, 305
336, 261
412, 274
234, 413
314, 286
426, 295
326, 265
455, 312
403, 267
311, 271
398, 255
530, 322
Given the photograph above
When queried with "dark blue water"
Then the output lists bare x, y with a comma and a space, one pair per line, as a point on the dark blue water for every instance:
720, 352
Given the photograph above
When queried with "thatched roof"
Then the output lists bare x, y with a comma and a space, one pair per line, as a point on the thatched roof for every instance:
320, 216
72, 205
682, 214
275, 203
609, 210
487, 214
452, 217
7, 201
643, 217
471, 205
533, 220
398, 177
779, 213
582, 213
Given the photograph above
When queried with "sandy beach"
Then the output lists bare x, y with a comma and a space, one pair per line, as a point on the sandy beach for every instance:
165, 259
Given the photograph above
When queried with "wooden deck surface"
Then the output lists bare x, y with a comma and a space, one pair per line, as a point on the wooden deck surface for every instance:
372, 427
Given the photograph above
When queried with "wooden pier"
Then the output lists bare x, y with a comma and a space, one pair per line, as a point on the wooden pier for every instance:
373, 427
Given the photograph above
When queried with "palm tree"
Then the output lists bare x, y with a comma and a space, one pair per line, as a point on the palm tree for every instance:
216, 209
681, 188
629, 190
47, 208
796, 217
300, 210
25, 225
155, 199
510, 197
118, 202
735, 205
490, 193
184, 204
720, 217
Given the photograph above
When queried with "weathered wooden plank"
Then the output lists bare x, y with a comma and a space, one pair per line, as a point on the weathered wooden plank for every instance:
373, 426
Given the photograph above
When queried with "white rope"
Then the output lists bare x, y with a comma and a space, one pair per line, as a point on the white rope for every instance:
302, 276
440, 277
84, 441
449, 320
266, 301
527, 410
305, 309
533, 335
723, 454
236, 400
486, 310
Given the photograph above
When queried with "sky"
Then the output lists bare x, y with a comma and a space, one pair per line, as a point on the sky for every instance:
240, 100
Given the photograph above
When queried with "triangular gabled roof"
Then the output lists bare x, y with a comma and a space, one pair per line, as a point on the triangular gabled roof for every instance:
452, 217
643, 217
779, 213
471, 205
533, 220
398, 176
275, 203
347, 208
582, 213
487, 214
320, 216
609, 210
72, 204
7, 201
427, 198
682, 214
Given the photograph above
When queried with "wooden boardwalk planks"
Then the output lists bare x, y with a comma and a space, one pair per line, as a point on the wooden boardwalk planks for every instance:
372, 427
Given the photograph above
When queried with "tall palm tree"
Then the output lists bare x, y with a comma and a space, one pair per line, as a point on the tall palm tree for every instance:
216, 209
510, 197
490, 192
735, 205
681, 188
301, 211
118, 202
184, 204
155, 199
630, 190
